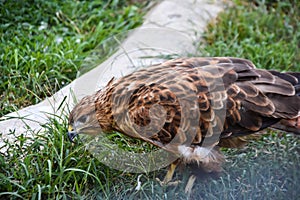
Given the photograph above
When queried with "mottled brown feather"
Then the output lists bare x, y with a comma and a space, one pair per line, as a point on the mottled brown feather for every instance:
184, 100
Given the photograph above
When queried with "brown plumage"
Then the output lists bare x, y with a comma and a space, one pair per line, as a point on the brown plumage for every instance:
192, 106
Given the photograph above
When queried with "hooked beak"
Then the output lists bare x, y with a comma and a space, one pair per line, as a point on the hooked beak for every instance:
71, 134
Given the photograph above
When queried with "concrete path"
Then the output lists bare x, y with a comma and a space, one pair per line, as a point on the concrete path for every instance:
172, 27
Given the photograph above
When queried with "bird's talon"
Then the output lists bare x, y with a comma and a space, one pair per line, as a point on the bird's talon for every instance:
168, 183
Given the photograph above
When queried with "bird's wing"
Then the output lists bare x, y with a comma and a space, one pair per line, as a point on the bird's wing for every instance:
187, 100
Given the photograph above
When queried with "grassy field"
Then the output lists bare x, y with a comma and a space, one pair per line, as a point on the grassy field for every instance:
44, 42
53, 168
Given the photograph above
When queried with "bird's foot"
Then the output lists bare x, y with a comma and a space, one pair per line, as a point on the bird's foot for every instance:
167, 180
168, 183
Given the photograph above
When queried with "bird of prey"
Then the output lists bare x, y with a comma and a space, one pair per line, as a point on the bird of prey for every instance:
192, 106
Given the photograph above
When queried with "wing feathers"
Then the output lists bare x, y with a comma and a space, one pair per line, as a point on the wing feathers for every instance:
281, 87
251, 98
286, 107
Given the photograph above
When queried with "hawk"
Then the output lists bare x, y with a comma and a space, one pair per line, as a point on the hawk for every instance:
192, 106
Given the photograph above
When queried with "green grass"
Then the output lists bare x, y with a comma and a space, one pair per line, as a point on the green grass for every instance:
267, 35
268, 168
43, 43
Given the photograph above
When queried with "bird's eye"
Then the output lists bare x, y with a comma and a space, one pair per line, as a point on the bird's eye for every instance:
82, 119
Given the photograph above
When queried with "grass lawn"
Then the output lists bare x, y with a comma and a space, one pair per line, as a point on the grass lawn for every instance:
52, 168
44, 42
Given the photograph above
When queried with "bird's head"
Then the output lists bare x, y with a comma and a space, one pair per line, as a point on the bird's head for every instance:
83, 119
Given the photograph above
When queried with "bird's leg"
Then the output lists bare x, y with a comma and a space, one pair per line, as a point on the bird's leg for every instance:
169, 175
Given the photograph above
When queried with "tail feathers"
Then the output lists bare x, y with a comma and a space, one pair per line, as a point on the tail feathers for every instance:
291, 77
237, 142
288, 125
297, 85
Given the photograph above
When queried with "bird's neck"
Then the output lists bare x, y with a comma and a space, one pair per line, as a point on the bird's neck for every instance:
104, 111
